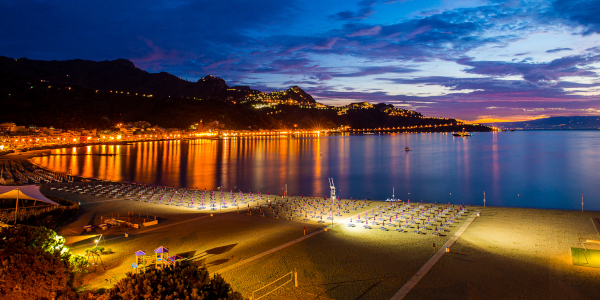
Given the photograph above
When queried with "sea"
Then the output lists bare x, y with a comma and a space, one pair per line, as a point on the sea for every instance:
530, 169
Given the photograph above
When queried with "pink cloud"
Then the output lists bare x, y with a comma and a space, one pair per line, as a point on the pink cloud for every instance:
418, 31
366, 32
327, 45
219, 63
157, 58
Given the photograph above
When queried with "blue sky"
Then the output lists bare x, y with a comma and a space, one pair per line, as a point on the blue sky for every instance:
472, 60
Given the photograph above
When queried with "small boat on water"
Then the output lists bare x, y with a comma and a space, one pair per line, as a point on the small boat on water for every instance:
368, 133
406, 148
462, 133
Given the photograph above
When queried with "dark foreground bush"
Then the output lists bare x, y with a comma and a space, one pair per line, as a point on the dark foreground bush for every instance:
184, 281
35, 264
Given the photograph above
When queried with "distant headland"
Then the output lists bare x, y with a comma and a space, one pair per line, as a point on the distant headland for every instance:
75, 94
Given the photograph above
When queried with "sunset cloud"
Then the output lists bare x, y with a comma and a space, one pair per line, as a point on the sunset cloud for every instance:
447, 59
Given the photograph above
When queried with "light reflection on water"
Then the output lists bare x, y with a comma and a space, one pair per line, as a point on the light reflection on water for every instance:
543, 169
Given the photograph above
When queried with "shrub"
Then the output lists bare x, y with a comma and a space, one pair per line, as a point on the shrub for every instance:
184, 281
35, 264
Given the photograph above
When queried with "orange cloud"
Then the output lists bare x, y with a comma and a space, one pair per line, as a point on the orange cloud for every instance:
517, 118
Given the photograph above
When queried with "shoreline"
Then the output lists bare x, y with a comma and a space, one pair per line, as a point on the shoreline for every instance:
30, 155
504, 244
529, 245
187, 230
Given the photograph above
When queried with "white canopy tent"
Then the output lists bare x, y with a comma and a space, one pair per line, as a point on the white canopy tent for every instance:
24, 192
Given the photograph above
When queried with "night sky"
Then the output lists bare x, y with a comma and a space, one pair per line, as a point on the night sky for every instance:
472, 60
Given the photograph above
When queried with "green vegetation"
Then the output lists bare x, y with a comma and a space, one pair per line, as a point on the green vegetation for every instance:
36, 264
184, 281
97, 250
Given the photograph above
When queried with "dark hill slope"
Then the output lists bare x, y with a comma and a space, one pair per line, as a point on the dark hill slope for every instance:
50, 104
117, 75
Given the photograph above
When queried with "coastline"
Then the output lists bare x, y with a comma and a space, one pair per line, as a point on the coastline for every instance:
525, 252
505, 253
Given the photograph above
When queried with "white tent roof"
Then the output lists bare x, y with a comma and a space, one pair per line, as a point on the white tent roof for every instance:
26, 192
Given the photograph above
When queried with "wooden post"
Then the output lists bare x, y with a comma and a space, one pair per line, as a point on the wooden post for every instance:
17, 208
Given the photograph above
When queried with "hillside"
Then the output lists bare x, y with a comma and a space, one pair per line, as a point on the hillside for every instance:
117, 75
102, 94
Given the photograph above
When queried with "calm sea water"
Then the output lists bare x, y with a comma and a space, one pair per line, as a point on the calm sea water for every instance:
539, 169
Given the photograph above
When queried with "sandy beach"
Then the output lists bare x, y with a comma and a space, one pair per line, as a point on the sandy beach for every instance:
511, 253
504, 254
341, 263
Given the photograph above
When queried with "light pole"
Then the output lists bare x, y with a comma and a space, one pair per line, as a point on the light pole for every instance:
331, 217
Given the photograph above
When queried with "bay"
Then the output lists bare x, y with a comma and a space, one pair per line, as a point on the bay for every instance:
536, 169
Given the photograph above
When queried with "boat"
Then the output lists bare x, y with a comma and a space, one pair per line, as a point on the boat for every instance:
368, 133
462, 133
406, 148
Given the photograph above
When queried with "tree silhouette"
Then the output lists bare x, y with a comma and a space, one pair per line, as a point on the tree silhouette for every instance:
183, 281
35, 264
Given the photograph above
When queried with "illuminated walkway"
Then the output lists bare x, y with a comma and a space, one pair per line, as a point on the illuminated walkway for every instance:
431, 262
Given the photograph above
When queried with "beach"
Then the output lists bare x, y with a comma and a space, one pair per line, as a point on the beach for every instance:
511, 253
504, 253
